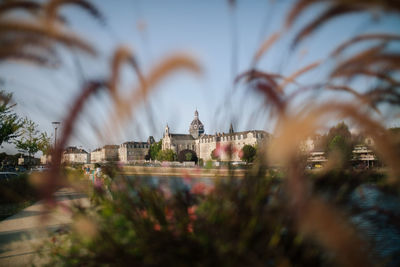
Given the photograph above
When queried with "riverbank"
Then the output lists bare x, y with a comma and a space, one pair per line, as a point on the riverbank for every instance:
183, 171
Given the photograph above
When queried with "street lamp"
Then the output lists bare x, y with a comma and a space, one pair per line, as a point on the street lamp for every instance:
55, 125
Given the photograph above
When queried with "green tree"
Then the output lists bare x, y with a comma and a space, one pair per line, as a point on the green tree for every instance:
31, 139
187, 155
339, 144
154, 149
248, 153
166, 155
45, 143
10, 123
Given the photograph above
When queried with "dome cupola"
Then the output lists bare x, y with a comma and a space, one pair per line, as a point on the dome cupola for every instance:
196, 127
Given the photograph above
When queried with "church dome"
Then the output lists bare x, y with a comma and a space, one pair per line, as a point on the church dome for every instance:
196, 127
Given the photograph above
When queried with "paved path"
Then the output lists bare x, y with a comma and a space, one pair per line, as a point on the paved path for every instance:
21, 233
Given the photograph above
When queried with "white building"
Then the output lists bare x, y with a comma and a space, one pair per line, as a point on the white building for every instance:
228, 146
104, 154
73, 155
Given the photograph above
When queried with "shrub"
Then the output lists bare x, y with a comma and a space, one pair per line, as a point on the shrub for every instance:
187, 155
16, 190
248, 153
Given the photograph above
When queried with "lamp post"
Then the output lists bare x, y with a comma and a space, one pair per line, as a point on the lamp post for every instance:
55, 125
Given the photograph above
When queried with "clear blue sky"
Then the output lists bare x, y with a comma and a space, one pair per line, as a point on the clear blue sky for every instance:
203, 29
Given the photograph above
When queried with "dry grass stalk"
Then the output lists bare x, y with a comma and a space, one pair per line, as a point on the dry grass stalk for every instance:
292, 77
121, 55
361, 97
296, 10
336, 8
323, 223
365, 37
52, 7
350, 73
333, 11
265, 46
31, 6
54, 179
56, 34
124, 108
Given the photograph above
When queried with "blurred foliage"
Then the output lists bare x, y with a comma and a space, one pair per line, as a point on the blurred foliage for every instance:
18, 189
166, 155
154, 149
237, 222
31, 139
10, 123
187, 155
248, 153
339, 144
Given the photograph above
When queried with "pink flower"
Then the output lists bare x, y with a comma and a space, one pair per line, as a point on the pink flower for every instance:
169, 215
98, 183
165, 164
192, 212
144, 214
157, 227
201, 189
190, 228
198, 189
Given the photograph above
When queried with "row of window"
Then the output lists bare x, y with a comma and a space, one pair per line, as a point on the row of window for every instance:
180, 147
230, 138
137, 146
131, 153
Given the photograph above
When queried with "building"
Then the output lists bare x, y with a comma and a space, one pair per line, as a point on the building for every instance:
104, 154
363, 155
134, 151
24, 160
45, 159
203, 144
74, 155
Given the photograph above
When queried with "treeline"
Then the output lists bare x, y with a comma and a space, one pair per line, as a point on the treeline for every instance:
20, 131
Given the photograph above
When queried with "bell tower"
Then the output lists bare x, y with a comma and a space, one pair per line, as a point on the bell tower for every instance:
196, 127
166, 131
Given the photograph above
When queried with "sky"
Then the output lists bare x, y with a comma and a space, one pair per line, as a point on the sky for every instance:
223, 42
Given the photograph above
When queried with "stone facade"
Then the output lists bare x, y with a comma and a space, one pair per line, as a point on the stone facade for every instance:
75, 155
104, 154
203, 144
134, 151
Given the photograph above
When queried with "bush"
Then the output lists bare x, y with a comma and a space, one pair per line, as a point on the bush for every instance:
248, 153
236, 223
166, 155
16, 190
187, 155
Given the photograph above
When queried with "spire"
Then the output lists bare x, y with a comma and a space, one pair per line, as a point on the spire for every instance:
231, 131
196, 114
166, 132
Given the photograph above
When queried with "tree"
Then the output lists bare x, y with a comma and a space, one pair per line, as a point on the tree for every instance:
44, 143
248, 153
154, 149
31, 139
166, 155
187, 155
10, 123
339, 143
